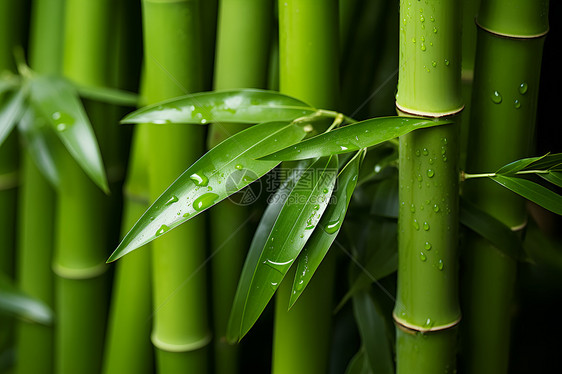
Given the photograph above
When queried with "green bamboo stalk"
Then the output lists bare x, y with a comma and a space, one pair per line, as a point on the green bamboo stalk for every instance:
35, 342
173, 67
427, 309
241, 61
82, 209
308, 62
11, 27
504, 102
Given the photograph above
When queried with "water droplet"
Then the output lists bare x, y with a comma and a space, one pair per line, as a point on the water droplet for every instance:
325, 190
186, 215
496, 97
434, 63
248, 179
444, 158
431, 161
173, 199
517, 104
435, 30
428, 323
280, 266
343, 148
423, 47
426, 226
204, 201
200, 180
432, 19
62, 121
523, 87
444, 140
436, 208
61, 127
414, 40
417, 152
152, 218
316, 207
430, 173
425, 152
427, 246
416, 224
333, 226
440, 265
413, 208
239, 166
162, 230
423, 257
419, 178
274, 285
422, 18
447, 62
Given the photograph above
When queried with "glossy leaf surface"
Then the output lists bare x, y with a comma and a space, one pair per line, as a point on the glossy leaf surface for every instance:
10, 114
329, 226
554, 177
236, 106
532, 191
219, 173
352, 138
57, 101
297, 220
13, 302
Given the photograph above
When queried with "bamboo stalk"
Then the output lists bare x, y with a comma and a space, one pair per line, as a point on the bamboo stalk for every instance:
173, 67
241, 62
82, 211
427, 309
308, 61
35, 342
506, 79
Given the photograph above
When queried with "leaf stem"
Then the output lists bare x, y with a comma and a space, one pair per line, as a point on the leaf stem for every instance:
465, 175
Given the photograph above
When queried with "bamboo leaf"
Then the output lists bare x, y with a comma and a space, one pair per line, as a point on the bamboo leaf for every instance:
10, 114
41, 143
554, 177
321, 240
533, 192
297, 220
222, 171
372, 328
491, 229
16, 303
359, 364
259, 240
352, 138
518, 165
108, 95
546, 162
237, 106
57, 101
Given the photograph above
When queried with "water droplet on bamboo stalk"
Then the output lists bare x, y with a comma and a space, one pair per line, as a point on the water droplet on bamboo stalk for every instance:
419, 178
430, 173
436, 208
427, 246
447, 62
416, 224
200, 179
280, 266
423, 257
425, 152
417, 152
414, 40
161, 230
422, 18
434, 63
423, 47
440, 265
523, 87
413, 208
173, 199
204, 201
496, 97
517, 104
435, 30
426, 226
428, 323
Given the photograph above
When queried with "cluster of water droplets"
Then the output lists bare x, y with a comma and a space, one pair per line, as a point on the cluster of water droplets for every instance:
497, 97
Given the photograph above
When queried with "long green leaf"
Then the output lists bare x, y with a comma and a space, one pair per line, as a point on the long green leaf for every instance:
532, 191
257, 246
319, 243
57, 101
518, 165
554, 177
10, 114
549, 161
108, 95
222, 171
359, 364
372, 328
41, 143
491, 229
13, 302
352, 138
296, 222
237, 106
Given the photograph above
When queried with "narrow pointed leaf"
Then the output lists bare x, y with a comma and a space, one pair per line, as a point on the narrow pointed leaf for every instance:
41, 143
13, 302
57, 101
491, 229
108, 95
221, 172
257, 246
554, 177
546, 162
532, 191
10, 114
518, 165
372, 328
359, 364
237, 106
329, 226
296, 222
352, 138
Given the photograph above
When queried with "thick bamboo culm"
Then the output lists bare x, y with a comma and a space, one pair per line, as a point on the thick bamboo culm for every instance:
427, 309
243, 38
36, 240
82, 208
308, 63
504, 103
173, 68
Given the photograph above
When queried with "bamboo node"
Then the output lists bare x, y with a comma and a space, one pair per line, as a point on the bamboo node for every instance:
184, 347
519, 227
80, 273
510, 36
412, 328
420, 113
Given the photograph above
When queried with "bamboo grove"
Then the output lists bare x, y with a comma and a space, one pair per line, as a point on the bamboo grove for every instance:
301, 186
